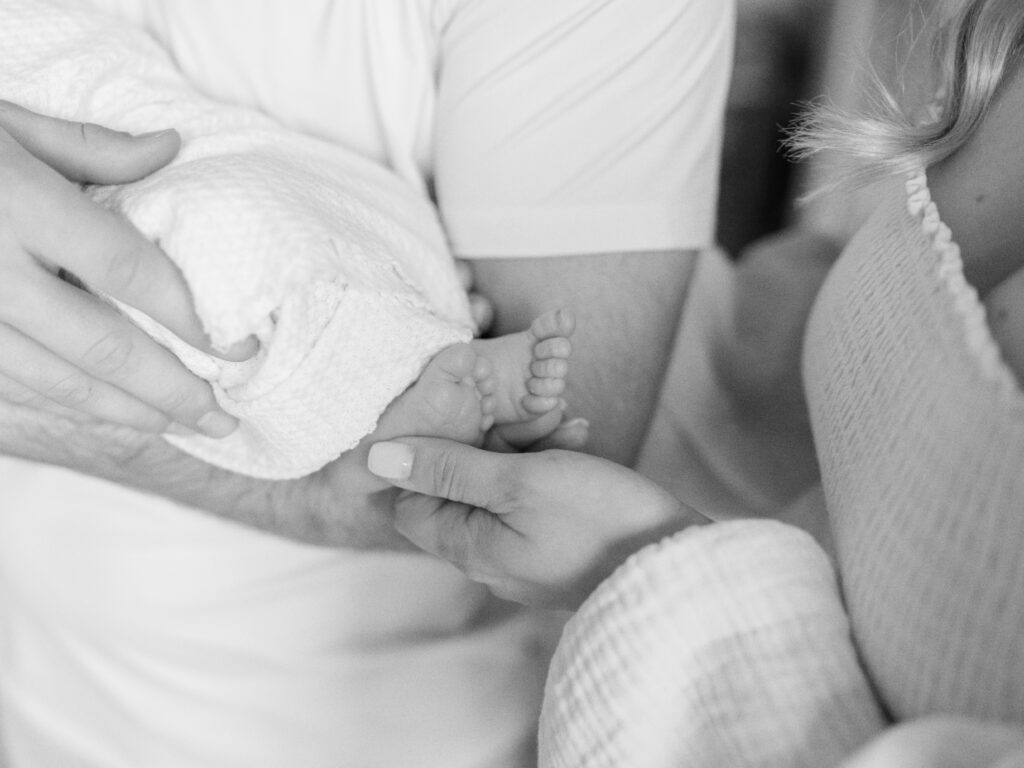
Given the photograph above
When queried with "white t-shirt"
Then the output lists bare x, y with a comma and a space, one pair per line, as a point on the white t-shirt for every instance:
135, 632
547, 127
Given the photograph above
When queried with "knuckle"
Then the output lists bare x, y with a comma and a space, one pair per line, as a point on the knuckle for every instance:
120, 447
186, 401
112, 354
88, 134
13, 393
510, 488
447, 478
453, 546
72, 391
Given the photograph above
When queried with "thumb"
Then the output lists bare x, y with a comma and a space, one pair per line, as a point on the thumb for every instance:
88, 153
445, 469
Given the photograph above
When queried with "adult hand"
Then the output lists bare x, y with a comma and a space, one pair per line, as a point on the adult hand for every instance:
60, 341
323, 509
541, 529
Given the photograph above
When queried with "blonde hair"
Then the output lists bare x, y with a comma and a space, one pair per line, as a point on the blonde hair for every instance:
971, 56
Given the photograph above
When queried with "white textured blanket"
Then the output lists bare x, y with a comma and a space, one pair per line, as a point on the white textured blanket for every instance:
726, 646
340, 269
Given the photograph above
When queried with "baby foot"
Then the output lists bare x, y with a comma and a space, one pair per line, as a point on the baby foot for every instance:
524, 375
514, 382
445, 400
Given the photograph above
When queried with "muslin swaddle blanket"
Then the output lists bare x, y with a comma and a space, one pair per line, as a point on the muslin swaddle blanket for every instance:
725, 645
340, 269
732, 645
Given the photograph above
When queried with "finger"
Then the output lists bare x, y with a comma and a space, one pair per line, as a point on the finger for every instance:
446, 469
436, 526
92, 336
17, 394
56, 223
47, 375
459, 533
89, 153
571, 435
525, 433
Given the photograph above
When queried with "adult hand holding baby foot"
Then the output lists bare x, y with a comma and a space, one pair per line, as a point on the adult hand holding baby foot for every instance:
60, 346
541, 529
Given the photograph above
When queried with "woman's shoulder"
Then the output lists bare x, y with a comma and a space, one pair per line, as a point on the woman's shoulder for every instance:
980, 195
980, 192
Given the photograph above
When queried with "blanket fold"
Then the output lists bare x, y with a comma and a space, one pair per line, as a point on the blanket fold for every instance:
340, 269
724, 645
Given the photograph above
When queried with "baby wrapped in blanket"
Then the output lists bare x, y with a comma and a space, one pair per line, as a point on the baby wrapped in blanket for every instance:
337, 267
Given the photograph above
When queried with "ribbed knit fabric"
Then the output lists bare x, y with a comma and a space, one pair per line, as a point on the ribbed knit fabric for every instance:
729, 645
722, 646
341, 270
920, 433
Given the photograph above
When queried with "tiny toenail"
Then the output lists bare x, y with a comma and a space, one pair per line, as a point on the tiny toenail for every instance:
391, 461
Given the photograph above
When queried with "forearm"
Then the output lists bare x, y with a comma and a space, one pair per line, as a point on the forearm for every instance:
315, 509
627, 310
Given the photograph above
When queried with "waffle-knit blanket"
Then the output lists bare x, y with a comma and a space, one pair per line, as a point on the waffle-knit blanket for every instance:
340, 269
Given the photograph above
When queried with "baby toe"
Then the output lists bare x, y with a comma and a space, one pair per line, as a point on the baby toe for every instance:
546, 387
550, 368
556, 347
558, 322
486, 386
458, 361
536, 404
482, 368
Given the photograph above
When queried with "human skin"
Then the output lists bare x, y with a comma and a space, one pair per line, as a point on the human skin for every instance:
617, 299
542, 529
62, 342
87, 425
324, 508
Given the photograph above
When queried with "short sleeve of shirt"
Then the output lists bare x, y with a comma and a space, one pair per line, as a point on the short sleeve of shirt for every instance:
581, 126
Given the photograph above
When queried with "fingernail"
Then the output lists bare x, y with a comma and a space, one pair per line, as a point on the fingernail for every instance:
179, 429
392, 461
217, 424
